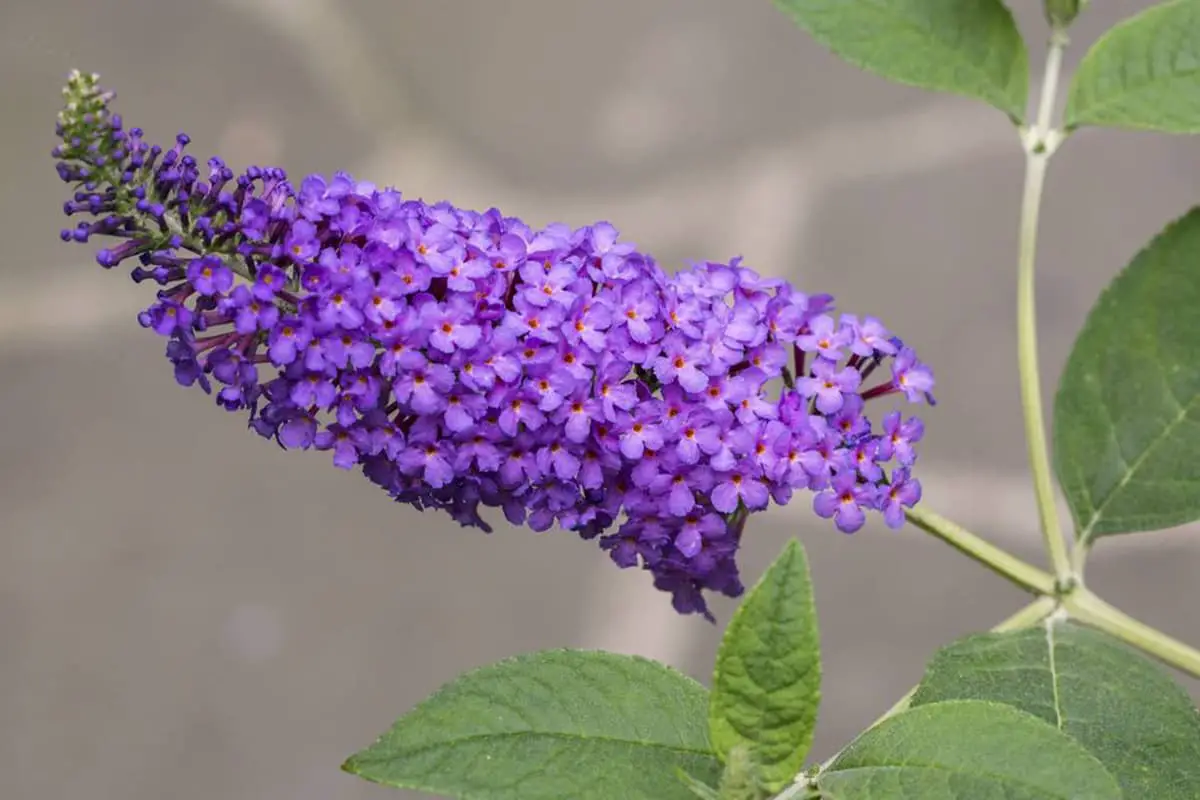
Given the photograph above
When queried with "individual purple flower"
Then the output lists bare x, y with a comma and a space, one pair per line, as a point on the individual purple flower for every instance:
313, 389
787, 314
899, 436
903, 492
576, 363
850, 422
769, 358
753, 404
761, 443
286, 341
641, 432
577, 415
845, 501
681, 485
301, 243
342, 307
450, 324
519, 464
868, 337
249, 313
612, 255
209, 276
479, 452
298, 432
825, 338
682, 362
911, 377
551, 389
438, 246
824, 455
829, 385
426, 458
695, 530
614, 394
411, 276
745, 327
740, 485
539, 323
168, 317
865, 456
544, 286
462, 277
637, 313
558, 460
315, 199
463, 411
341, 441
424, 389
520, 411
699, 434
385, 302
347, 350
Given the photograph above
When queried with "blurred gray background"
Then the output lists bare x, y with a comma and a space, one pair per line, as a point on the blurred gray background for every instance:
187, 612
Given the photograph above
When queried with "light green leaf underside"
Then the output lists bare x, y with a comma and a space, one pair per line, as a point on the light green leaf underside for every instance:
1144, 73
967, 47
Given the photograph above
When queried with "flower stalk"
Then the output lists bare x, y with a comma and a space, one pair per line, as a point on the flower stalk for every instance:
1003, 563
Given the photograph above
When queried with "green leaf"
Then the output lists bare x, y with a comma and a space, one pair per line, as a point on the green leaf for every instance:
1124, 709
968, 47
966, 750
767, 683
1144, 73
549, 725
1127, 414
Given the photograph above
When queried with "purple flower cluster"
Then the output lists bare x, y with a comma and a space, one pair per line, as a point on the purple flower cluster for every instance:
464, 359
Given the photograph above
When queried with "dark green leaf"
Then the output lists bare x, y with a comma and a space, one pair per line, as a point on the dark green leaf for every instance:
698, 788
550, 725
1143, 73
966, 750
767, 683
1124, 709
968, 47
1127, 414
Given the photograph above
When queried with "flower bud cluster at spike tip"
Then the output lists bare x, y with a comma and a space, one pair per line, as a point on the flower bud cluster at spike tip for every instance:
464, 359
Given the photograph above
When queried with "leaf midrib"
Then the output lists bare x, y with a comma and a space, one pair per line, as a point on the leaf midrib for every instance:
479, 737
1054, 693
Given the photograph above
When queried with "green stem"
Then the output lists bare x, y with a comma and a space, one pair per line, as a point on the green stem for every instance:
1040, 142
1079, 554
1005, 564
1091, 610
